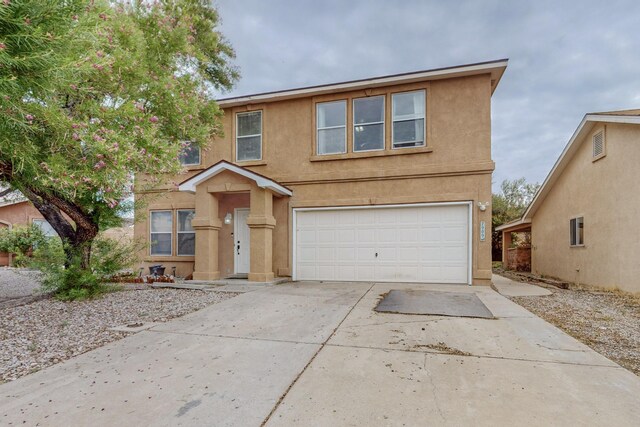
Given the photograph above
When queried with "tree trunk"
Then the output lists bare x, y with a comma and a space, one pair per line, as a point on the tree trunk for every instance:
77, 237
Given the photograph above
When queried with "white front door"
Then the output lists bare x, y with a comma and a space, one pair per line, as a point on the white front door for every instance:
241, 240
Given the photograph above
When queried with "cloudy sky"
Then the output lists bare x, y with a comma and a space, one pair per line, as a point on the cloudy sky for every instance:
566, 58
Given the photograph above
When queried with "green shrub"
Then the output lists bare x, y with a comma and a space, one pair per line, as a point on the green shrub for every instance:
21, 241
108, 256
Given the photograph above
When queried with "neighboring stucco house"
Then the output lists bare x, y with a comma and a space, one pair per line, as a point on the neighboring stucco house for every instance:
584, 219
382, 179
20, 212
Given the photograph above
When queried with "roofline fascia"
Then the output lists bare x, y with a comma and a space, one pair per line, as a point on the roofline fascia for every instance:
189, 184
588, 118
375, 81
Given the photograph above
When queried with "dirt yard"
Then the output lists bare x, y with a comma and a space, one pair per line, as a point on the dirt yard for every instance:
46, 332
608, 322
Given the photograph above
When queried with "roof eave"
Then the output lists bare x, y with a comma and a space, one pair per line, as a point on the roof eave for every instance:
495, 68
567, 154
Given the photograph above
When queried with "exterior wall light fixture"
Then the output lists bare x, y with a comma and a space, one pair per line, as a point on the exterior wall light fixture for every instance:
228, 218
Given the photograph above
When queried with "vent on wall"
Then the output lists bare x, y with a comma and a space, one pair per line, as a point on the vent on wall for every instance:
598, 144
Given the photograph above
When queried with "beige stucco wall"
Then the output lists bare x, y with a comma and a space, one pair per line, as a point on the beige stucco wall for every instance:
456, 165
604, 193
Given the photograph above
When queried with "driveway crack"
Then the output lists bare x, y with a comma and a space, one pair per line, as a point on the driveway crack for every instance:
322, 345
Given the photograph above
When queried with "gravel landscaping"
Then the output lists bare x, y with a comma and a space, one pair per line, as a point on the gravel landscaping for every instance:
18, 282
45, 332
608, 322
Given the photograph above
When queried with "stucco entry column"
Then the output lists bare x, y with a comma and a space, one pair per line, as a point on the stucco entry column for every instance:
261, 223
207, 225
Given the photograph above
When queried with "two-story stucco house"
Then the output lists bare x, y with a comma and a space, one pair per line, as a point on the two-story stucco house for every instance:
587, 203
382, 179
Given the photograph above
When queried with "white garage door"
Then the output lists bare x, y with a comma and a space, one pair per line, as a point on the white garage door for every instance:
412, 243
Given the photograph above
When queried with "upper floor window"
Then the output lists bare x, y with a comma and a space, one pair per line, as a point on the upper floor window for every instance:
249, 136
576, 230
161, 232
368, 123
45, 227
186, 238
332, 127
190, 155
408, 119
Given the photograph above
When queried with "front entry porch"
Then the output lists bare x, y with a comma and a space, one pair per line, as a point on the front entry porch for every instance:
229, 201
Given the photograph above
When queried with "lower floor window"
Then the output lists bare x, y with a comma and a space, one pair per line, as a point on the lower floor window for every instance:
161, 232
576, 229
45, 227
186, 233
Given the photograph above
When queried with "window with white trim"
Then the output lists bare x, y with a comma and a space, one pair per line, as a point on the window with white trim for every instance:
186, 237
45, 227
576, 230
190, 155
161, 232
598, 144
249, 136
368, 123
408, 113
331, 123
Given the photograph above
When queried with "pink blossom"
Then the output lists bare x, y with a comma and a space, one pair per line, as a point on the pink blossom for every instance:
85, 179
75, 136
29, 117
74, 87
2, 46
100, 156
153, 119
99, 54
100, 165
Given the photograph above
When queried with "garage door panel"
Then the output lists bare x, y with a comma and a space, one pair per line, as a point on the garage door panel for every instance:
386, 235
307, 254
413, 243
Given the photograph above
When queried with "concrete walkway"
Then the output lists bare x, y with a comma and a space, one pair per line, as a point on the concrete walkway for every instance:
317, 354
510, 288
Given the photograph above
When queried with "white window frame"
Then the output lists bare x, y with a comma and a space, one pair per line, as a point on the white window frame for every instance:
246, 113
178, 232
44, 221
318, 128
151, 232
423, 117
199, 156
353, 109
573, 227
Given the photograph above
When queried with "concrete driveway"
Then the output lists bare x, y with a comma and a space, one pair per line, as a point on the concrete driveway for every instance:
317, 354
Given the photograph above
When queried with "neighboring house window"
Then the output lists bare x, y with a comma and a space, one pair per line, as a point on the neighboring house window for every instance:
45, 227
249, 136
331, 119
576, 226
161, 232
368, 123
598, 145
408, 119
190, 155
186, 233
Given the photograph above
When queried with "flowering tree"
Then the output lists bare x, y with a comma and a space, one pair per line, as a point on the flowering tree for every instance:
93, 92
